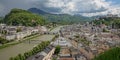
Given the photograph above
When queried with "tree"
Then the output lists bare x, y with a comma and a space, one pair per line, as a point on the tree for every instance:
3, 41
11, 58
57, 49
104, 30
19, 29
4, 32
20, 57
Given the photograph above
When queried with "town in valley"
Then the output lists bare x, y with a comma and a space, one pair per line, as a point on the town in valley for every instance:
60, 30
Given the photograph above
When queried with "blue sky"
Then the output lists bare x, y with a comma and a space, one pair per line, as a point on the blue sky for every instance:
82, 7
116, 1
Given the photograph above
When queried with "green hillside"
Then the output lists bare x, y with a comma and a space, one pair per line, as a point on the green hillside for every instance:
23, 17
114, 21
65, 18
112, 54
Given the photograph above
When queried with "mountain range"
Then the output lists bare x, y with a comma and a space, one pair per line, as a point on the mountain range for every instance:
60, 18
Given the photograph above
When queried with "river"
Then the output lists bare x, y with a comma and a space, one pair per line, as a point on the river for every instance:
25, 46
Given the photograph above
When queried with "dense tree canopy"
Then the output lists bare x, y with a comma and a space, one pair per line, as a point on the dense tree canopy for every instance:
23, 17
112, 54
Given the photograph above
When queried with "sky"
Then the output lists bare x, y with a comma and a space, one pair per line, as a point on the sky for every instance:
83, 7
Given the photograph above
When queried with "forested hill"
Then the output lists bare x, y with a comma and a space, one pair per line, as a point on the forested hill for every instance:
113, 21
112, 54
60, 18
23, 17
1, 19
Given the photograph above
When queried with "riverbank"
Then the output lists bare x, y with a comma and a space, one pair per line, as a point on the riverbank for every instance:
17, 42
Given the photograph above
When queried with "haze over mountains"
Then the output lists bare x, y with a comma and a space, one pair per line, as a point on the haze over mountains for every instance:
37, 11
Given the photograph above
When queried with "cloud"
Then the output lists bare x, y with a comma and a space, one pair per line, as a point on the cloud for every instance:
83, 7
78, 6
114, 11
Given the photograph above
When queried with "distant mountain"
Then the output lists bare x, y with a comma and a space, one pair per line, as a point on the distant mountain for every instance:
60, 18
37, 11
